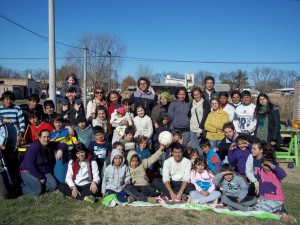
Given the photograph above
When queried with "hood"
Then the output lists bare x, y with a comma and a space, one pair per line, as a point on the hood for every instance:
130, 155
114, 153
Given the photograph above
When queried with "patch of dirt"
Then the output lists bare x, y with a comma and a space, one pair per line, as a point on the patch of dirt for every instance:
293, 175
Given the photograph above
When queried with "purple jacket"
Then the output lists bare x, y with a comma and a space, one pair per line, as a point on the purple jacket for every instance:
39, 160
238, 158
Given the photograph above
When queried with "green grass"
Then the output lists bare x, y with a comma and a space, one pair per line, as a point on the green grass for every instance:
51, 208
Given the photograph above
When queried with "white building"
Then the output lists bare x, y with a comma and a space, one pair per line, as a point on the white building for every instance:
188, 80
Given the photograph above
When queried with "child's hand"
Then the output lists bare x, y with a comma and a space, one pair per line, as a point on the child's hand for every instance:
238, 200
75, 192
59, 155
156, 125
216, 149
180, 141
76, 107
232, 147
179, 195
204, 193
93, 187
103, 195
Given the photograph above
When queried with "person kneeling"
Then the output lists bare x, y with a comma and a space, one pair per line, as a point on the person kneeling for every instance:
82, 177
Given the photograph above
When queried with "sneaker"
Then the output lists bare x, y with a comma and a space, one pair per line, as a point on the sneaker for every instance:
151, 200
185, 198
131, 199
90, 199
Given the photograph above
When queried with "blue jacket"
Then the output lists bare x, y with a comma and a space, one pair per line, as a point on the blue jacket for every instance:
210, 164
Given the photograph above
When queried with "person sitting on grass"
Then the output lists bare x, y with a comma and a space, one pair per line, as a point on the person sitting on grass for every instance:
234, 189
116, 177
213, 159
38, 163
82, 179
175, 184
141, 189
202, 178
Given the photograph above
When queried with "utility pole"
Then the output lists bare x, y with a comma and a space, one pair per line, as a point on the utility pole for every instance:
52, 66
109, 71
84, 75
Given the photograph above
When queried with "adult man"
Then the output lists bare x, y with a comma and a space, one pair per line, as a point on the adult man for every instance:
209, 90
142, 96
244, 119
176, 176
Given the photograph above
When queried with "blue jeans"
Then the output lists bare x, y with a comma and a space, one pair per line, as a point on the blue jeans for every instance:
214, 143
33, 186
121, 196
197, 197
195, 142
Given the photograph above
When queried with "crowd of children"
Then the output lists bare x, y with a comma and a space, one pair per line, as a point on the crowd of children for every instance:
118, 149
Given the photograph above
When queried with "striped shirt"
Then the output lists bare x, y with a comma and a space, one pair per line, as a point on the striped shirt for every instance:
15, 114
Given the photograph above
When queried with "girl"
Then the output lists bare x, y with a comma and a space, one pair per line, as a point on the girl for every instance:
199, 112
202, 178
268, 120
143, 123
127, 106
193, 155
142, 148
99, 100
71, 81
214, 123
180, 112
82, 177
270, 188
236, 97
103, 121
223, 96
114, 101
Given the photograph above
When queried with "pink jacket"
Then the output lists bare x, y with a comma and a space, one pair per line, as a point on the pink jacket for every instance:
204, 176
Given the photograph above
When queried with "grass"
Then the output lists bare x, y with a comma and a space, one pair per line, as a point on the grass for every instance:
51, 208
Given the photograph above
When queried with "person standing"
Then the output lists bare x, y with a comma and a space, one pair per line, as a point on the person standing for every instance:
209, 90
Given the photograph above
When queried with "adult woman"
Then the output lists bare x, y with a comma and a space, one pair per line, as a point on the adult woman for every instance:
236, 97
223, 97
214, 123
180, 112
38, 162
268, 120
199, 112
99, 100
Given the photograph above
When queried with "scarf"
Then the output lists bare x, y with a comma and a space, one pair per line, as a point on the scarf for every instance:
262, 116
223, 105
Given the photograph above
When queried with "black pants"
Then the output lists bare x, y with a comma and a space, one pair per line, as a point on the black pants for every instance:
141, 193
158, 184
84, 190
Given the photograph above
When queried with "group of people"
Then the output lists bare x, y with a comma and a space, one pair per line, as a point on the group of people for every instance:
230, 157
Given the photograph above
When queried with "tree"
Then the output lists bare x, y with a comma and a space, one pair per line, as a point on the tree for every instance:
200, 76
106, 52
236, 79
40, 74
128, 81
144, 71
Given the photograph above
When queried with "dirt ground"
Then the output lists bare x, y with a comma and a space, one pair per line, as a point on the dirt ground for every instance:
293, 175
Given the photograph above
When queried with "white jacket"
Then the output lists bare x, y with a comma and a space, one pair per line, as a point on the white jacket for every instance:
143, 126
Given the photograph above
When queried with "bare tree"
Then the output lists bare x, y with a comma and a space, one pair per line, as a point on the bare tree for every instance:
127, 81
40, 74
236, 79
106, 52
144, 71
200, 76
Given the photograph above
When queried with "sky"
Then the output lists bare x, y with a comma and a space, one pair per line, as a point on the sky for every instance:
184, 30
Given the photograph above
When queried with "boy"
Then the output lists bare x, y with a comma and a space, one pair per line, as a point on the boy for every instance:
128, 140
36, 125
234, 189
213, 159
49, 108
141, 189
33, 104
83, 131
100, 148
116, 177
142, 148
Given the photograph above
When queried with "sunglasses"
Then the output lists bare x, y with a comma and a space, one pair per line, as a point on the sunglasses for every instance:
99, 92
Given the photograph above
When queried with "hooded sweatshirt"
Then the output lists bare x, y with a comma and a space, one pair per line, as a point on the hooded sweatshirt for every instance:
138, 175
115, 177
180, 114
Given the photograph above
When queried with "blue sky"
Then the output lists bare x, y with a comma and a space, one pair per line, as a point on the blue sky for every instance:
195, 30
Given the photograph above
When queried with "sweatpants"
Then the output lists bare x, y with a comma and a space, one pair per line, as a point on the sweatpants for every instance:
242, 206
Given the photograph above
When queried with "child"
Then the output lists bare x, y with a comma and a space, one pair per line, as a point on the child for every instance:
71, 81
82, 179
120, 120
202, 178
238, 154
100, 148
103, 121
193, 155
49, 111
33, 104
143, 123
213, 159
162, 124
128, 140
126, 103
116, 177
35, 127
270, 187
83, 131
234, 189
141, 189
142, 148
114, 101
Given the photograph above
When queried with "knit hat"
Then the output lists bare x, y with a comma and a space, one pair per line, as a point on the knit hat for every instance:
165, 95
121, 110
80, 118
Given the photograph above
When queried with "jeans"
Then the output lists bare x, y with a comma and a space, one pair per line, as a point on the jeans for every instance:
121, 196
141, 193
214, 143
195, 142
33, 186
84, 190
197, 197
186, 137
158, 184
243, 205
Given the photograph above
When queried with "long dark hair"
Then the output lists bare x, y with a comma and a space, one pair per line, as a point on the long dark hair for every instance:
186, 93
270, 105
74, 78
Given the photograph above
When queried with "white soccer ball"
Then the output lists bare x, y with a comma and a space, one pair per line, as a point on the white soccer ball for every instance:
165, 138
